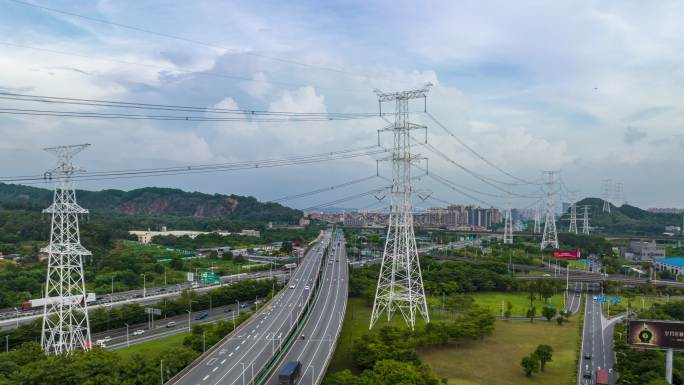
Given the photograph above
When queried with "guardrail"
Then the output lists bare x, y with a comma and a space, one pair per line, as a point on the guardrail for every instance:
293, 331
265, 370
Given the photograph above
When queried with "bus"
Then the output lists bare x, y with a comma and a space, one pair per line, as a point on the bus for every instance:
289, 373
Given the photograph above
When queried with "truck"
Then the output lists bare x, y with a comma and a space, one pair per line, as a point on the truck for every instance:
289, 374
602, 377
40, 302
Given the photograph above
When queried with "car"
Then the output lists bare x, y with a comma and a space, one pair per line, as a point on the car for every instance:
107, 339
594, 298
587, 356
306, 287
202, 315
293, 286
243, 305
547, 275
587, 374
258, 301
227, 310
170, 324
577, 294
138, 332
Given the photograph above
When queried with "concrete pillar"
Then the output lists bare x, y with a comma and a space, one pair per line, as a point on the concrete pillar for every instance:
668, 366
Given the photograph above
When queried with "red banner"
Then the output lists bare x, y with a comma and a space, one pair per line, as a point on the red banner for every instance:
576, 254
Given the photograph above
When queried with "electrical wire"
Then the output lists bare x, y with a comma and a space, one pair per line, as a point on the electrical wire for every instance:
199, 169
346, 199
184, 39
478, 155
169, 107
324, 189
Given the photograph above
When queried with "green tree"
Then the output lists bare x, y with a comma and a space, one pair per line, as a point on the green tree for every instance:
549, 312
545, 354
531, 313
530, 364
509, 310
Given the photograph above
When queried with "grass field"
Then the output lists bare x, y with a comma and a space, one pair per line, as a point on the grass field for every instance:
464, 364
496, 359
173, 341
519, 300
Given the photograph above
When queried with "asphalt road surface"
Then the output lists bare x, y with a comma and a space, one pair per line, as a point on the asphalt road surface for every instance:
597, 341
238, 359
322, 328
161, 328
151, 296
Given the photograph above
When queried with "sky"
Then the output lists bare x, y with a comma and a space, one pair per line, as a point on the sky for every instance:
590, 88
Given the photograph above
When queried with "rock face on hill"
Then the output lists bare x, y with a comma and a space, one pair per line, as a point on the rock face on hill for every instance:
156, 201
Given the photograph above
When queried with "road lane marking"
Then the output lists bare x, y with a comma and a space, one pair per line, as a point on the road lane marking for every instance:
205, 377
224, 361
214, 369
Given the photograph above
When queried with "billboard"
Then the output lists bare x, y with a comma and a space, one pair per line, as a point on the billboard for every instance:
656, 334
575, 254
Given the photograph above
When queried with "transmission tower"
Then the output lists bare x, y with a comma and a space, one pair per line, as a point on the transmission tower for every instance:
550, 236
400, 283
585, 221
619, 193
606, 195
537, 220
65, 315
508, 224
573, 216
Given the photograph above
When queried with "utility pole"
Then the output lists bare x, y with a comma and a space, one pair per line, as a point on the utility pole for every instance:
550, 235
606, 195
585, 221
508, 223
400, 282
66, 326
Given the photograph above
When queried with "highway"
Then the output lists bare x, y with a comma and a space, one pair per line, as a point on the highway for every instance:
597, 341
324, 324
238, 358
161, 328
9, 319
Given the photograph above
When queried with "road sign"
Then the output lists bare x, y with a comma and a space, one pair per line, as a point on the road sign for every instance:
152, 310
615, 300
190, 277
601, 299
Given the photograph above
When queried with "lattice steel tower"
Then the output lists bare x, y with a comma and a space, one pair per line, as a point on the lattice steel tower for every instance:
573, 216
550, 235
585, 221
606, 195
400, 283
65, 315
508, 224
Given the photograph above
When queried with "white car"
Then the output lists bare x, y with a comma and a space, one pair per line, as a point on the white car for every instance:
138, 332
306, 287
292, 286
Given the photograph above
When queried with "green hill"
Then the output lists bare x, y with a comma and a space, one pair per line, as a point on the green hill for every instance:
625, 219
155, 201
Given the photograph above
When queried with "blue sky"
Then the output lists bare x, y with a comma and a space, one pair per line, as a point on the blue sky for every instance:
592, 88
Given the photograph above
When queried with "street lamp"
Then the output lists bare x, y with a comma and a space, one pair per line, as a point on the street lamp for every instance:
188, 319
144, 275
128, 342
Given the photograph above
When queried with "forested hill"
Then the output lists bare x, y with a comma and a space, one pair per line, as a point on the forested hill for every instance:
155, 201
625, 219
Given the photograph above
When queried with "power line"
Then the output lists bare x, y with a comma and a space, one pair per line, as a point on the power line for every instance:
205, 168
184, 39
187, 118
169, 107
241, 78
324, 189
478, 155
347, 198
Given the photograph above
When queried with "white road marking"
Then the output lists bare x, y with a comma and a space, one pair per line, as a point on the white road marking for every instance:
214, 369
231, 354
205, 377
224, 360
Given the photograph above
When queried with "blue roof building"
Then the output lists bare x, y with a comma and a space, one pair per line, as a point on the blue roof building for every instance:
674, 265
